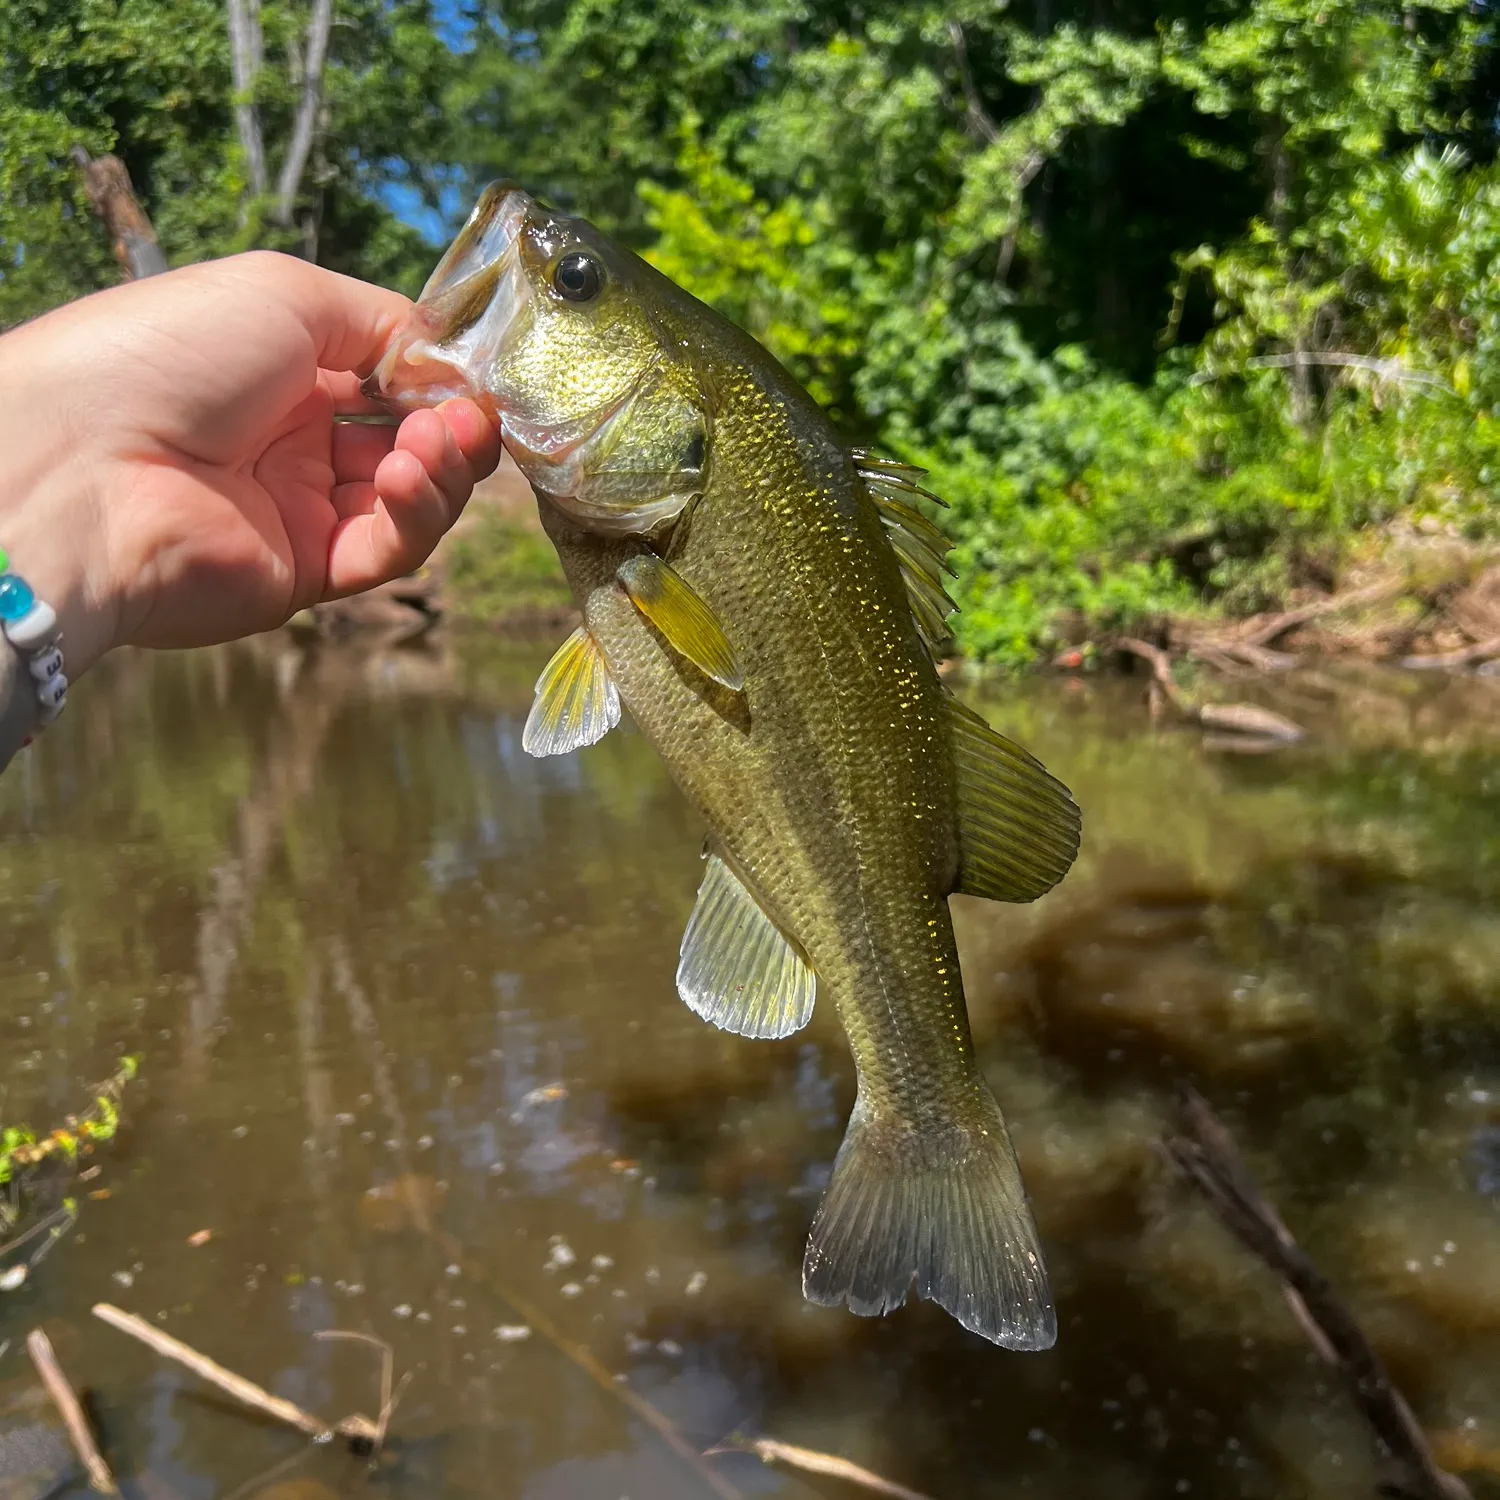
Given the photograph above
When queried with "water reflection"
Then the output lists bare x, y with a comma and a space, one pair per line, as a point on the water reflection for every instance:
413, 1056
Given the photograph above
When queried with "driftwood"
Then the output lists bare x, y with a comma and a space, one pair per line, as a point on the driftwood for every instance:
39, 1347
1465, 656
1227, 718
132, 237
1207, 1157
358, 1431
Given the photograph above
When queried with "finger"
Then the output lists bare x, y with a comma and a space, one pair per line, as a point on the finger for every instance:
349, 321
358, 450
390, 526
477, 436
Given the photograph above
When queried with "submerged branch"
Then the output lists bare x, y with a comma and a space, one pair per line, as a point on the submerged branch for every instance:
357, 1430
39, 1347
1207, 1157
768, 1450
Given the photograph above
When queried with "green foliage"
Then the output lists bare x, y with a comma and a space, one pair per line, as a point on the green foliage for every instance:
1175, 301
151, 83
1172, 304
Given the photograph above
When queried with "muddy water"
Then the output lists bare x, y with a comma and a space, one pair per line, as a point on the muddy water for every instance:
412, 1057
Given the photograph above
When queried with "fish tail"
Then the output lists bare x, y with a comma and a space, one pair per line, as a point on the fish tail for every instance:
941, 1206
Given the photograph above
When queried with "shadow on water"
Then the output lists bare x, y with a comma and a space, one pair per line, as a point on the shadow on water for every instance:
385, 969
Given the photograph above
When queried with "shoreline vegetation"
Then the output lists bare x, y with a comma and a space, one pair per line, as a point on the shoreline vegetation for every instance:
1192, 316
1416, 598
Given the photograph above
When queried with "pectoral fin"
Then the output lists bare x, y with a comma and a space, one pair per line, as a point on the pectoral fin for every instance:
576, 703
1018, 827
687, 623
738, 971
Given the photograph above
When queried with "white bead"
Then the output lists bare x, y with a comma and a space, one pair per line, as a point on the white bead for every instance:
46, 664
37, 627
53, 691
51, 715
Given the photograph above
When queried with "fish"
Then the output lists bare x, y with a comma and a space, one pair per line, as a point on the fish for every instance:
768, 604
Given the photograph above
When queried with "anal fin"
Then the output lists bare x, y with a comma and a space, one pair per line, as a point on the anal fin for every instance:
690, 627
1018, 826
939, 1206
576, 701
737, 969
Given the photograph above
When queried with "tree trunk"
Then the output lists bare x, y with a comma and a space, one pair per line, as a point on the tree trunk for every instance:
319, 25
245, 53
133, 239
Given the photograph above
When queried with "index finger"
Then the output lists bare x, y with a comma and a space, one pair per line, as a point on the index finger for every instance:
349, 321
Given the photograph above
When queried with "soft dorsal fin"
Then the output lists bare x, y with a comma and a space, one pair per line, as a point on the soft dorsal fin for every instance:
691, 628
737, 969
576, 701
920, 546
1018, 826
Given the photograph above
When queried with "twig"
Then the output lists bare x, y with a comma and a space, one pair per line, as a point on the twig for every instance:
357, 1430
1209, 1160
39, 1347
1466, 656
768, 1450
388, 1398
580, 1356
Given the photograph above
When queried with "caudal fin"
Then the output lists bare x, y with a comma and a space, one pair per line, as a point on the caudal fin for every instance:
943, 1208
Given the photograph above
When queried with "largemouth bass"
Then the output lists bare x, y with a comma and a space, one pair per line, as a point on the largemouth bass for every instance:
765, 602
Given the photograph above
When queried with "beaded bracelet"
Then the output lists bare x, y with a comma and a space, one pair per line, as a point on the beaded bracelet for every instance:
31, 627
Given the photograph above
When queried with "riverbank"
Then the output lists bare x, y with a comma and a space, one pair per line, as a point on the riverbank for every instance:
1422, 597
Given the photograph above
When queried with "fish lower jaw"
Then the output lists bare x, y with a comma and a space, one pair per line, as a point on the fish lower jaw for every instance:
414, 376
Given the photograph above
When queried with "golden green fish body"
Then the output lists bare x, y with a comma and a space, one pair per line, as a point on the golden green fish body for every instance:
742, 597
831, 786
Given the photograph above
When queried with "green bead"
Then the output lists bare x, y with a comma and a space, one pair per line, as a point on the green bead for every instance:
4, 560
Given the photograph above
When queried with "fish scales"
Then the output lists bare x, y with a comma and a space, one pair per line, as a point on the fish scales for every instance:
742, 597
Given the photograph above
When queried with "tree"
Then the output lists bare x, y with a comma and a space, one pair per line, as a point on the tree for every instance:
342, 104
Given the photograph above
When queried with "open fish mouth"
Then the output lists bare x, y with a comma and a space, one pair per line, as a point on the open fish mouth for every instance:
456, 328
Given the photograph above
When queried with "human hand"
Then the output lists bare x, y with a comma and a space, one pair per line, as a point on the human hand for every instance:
170, 471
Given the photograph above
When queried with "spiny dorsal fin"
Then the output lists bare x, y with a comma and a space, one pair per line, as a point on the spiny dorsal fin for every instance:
692, 630
738, 971
576, 701
920, 546
1018, 827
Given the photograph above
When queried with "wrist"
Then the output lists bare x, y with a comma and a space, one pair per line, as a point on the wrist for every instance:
51, 522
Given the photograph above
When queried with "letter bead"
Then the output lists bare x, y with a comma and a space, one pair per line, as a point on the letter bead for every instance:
52, 692
46, 664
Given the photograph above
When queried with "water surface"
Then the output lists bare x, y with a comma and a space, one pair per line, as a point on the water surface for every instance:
412, 1055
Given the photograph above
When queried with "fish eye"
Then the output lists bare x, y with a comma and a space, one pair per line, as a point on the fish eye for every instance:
578, 277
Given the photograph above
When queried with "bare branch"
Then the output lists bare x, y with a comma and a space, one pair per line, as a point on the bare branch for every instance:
319, 25
1207, 1157
39, 1347
356, 1429
108, 185
769, 1450
1391, 370
245, 54
979, 118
